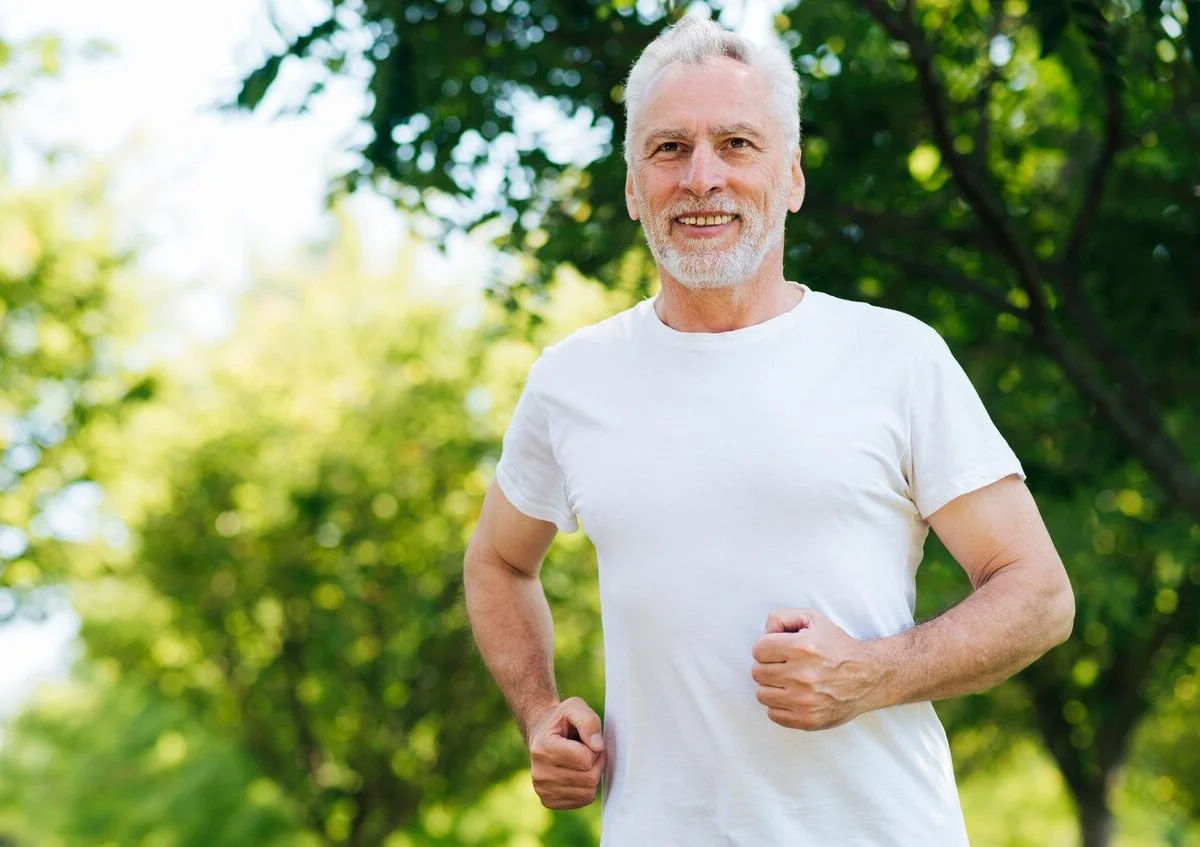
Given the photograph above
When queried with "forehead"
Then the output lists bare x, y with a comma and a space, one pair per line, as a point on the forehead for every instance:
720, 91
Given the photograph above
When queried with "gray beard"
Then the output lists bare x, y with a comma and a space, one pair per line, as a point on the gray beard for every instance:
717, 268
728, 268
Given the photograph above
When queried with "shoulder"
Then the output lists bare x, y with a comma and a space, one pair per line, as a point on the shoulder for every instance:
590, 346
876, 328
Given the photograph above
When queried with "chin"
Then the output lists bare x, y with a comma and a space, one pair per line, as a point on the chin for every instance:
708, 282
706, 272
711, 269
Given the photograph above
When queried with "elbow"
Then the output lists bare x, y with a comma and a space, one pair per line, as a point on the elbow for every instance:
1061, 618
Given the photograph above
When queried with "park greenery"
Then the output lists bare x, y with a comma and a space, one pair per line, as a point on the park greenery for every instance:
276, 650
63, 311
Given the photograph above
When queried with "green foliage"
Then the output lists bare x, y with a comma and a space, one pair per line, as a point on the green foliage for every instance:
301, 498
93, 761
1023, 801
63, 302
23, 64
1020, 174
448, 81
1165, 761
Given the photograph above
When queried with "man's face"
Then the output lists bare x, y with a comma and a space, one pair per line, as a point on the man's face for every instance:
709, 175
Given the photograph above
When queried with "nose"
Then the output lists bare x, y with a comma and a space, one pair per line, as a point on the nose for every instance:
705, 171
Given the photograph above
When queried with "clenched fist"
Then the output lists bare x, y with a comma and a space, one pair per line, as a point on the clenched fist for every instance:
566, 753
810, 673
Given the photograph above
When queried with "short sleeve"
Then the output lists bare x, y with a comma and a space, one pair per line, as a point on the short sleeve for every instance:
954, 446
528, 473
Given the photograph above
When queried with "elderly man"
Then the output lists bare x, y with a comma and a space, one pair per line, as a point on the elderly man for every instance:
758, 465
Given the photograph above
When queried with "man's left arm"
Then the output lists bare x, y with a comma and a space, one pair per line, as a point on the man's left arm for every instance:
812, 675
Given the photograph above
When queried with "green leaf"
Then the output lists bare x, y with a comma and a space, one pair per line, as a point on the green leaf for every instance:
1052, 18
1193, 31
256, 84
1152, 9
259, 81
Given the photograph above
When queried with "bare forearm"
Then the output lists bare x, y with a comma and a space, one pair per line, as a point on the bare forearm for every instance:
515, 633
1002, 627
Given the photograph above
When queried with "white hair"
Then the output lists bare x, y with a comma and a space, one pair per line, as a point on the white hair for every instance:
699, 40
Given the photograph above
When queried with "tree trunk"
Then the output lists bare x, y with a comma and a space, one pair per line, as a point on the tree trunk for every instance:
1095, 817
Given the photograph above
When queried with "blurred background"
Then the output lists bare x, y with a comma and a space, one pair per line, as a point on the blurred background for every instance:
272, 275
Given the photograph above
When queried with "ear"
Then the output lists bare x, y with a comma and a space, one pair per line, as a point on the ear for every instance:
630, 198
796, 195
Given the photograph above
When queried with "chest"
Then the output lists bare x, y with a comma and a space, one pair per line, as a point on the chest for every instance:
727, 454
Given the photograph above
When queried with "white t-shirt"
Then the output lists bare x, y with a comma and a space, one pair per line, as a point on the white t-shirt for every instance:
722, 475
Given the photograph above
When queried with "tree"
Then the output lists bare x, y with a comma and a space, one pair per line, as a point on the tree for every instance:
104, 760
300, 500
1022, 175
62, 305
1031, 269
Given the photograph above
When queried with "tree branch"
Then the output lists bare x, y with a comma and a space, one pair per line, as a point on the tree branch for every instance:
1114, 121
308, 751
916, 230
1054, 729
914, 227
1159, 455
1128, 409
1131, 667
983, 131
1145, 432
945, 276
971, 183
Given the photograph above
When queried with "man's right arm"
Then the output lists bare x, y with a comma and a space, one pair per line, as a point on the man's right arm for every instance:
507, 606
515, 633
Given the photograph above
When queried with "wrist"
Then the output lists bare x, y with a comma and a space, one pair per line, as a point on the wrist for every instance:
532, 716
883, 669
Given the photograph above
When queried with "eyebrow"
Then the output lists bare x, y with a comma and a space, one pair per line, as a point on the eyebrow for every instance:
737, 129
674, 134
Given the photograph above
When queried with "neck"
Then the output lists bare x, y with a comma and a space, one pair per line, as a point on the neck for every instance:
723, 309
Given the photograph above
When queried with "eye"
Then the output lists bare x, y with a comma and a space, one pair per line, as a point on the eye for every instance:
669, 147
739, 143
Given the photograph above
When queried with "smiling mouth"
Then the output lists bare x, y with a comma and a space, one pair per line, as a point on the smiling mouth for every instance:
705, 220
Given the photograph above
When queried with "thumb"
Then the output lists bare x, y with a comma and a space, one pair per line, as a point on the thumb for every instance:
789, 620
585, 722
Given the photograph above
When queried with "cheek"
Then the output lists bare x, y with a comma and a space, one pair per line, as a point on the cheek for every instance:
757, 187
658, 184
659, 192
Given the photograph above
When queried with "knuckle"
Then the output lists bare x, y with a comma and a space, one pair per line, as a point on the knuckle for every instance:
540, 762
806, 677
569, 800
768, 696
806, 720
810, 720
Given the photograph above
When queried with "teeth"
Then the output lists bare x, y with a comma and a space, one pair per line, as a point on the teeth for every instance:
707, 220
